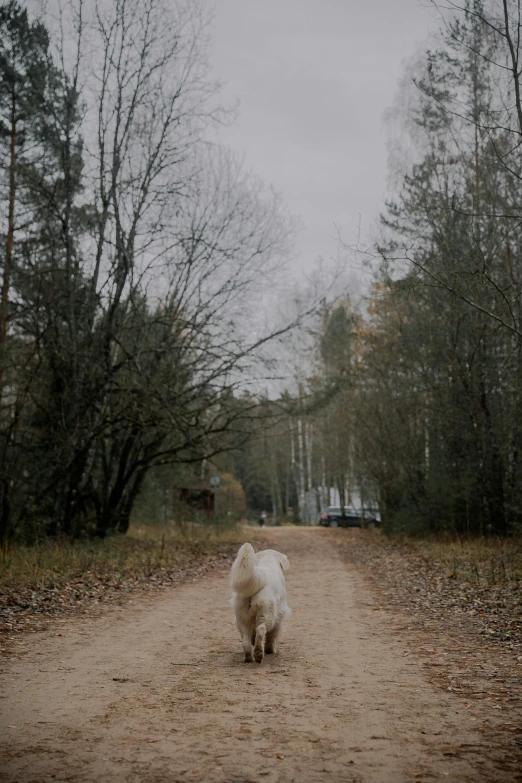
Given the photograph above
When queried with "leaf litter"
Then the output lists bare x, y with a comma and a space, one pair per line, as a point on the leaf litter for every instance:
87, 576
461, 614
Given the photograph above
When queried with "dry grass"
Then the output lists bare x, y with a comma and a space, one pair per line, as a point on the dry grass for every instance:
482, 560
474, 583
55, 578
145, 550
458, 610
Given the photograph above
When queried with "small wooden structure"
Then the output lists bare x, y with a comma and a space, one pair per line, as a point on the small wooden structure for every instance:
199, 499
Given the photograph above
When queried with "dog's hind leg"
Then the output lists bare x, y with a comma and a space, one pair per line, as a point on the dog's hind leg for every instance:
259, 647
271, 640
247, 647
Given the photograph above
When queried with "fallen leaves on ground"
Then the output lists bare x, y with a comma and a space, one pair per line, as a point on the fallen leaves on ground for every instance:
99, 574
426, 578
465, 626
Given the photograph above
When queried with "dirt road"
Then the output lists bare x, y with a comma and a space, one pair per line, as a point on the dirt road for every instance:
157, 692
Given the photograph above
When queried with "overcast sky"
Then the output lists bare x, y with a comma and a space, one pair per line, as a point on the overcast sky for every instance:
313, 78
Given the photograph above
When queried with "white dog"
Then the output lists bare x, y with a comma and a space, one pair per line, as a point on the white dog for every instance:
259, 599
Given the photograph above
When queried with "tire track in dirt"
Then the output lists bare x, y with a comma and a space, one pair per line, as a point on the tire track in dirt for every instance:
158, 692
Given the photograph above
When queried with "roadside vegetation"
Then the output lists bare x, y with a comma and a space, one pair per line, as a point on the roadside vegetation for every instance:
472, 584
135, 249
410, 401
54, 577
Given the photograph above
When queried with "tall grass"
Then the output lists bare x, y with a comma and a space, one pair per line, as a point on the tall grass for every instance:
486, 560
143, 550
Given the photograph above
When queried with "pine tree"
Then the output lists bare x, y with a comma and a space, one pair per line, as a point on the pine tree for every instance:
23, 71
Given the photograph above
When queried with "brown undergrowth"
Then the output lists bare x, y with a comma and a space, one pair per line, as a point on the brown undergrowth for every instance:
449, 580
62, 577
458, 608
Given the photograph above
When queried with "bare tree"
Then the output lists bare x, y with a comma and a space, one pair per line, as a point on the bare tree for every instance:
143, 322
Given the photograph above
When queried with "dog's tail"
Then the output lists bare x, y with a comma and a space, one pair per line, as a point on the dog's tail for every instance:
245, 579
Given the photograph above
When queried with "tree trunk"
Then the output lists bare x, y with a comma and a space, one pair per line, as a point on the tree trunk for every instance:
8, 263
301, 470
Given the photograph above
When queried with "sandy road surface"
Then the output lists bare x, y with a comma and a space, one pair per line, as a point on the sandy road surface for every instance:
339, 702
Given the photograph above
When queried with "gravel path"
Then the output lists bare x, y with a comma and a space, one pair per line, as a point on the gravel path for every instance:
157, 691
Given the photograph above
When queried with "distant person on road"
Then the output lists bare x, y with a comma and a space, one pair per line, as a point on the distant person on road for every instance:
261, 520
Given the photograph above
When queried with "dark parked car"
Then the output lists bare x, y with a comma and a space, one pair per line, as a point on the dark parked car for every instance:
332, 517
